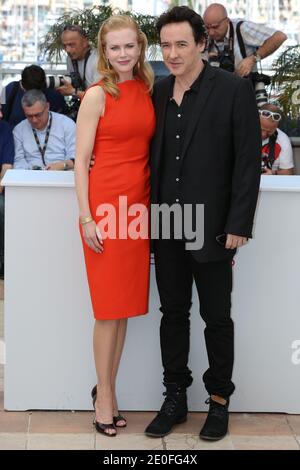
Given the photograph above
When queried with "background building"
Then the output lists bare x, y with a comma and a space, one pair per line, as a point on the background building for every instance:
23, 23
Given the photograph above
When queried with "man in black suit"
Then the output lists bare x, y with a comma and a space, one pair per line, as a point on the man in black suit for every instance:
206, 150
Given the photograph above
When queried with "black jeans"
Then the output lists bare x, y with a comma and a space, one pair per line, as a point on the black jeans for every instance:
175, 270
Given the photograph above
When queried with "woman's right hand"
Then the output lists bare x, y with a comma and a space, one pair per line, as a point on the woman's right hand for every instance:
92, 237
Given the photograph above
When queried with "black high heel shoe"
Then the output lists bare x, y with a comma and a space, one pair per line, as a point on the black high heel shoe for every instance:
101, 427
116, 419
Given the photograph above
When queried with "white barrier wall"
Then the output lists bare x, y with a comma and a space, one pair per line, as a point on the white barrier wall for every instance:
48, 317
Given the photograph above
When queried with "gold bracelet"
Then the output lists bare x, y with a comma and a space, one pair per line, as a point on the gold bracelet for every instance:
86, 220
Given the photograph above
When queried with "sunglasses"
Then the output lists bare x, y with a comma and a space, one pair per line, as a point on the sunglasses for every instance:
270, 114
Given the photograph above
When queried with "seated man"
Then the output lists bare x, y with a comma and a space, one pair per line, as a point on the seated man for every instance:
45, 140
33, 78
6, 162
277, 152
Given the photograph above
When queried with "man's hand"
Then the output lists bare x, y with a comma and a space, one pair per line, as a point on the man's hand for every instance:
92, 162
57, 166
67, 89
267, 171
1, 189
233, 242
245, 66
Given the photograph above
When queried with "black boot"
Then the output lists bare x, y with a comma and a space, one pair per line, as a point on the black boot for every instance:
216, 424
173, 411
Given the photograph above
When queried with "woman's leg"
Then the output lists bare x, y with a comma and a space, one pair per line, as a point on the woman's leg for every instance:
105, 345
122, 327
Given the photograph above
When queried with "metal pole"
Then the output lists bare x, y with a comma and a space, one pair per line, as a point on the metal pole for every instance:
36, 25
155, 7
21, 30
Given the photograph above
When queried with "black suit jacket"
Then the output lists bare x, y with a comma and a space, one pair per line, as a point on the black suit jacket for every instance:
221, 158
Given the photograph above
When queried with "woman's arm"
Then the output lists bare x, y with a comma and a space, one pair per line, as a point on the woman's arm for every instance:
89, 114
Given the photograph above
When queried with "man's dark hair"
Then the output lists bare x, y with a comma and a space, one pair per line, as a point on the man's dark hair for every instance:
76, 28
33, 78
181, 14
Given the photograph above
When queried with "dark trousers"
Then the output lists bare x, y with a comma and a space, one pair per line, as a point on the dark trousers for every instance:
175, 271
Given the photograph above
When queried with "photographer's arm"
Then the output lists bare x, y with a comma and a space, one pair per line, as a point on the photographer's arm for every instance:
289, 172
20, 162
271, 44
68, 90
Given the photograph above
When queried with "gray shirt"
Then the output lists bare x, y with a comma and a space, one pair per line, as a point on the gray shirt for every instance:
60, 147
91, 73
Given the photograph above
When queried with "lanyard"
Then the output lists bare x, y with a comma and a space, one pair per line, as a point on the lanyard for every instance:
230, 41
43, 150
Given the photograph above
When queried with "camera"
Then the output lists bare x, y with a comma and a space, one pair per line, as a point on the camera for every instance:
56, 81
224, 60
260, 81
265, 163
73, 104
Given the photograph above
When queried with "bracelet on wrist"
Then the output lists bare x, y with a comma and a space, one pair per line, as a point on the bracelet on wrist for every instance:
86, 220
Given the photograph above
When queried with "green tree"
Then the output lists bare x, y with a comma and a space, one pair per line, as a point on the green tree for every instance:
286, 87
90, 20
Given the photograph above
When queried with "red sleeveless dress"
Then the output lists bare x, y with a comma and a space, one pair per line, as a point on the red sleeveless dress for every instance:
119, 196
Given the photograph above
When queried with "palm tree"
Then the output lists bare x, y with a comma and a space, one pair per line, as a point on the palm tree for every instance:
90, 20
286, 87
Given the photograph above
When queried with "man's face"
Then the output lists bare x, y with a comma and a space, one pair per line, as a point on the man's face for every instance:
216, 25
268, 127
37, 115
180, 52
74, 44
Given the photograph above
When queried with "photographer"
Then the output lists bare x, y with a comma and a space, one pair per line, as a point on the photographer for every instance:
228, 38
277, 152
44, 140
81, 61
33, 78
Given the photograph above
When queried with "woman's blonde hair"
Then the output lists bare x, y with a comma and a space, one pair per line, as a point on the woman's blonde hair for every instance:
141, 70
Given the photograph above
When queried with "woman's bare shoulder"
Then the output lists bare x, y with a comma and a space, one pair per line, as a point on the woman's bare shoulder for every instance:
94, 91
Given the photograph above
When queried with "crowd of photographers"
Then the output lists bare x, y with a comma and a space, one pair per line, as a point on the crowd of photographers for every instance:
37, 129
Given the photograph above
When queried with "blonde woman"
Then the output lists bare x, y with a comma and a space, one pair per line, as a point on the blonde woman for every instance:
115, 124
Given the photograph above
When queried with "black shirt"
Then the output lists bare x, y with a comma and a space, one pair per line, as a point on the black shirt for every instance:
176, 125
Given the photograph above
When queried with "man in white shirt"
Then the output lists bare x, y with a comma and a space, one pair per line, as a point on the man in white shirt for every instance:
277, 152
82, 59
259, 40
45, 140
